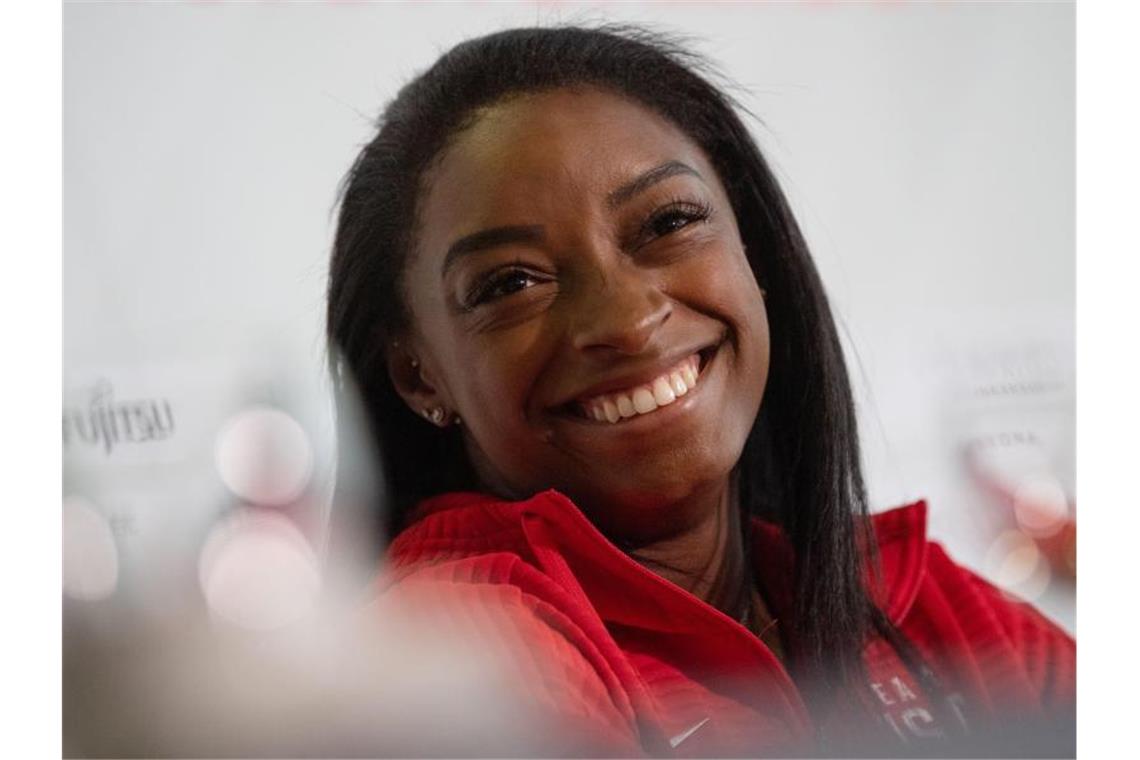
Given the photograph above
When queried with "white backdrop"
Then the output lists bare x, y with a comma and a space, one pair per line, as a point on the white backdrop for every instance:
928, 150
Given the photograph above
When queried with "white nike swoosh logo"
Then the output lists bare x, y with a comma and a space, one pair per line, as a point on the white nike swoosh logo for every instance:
686, 734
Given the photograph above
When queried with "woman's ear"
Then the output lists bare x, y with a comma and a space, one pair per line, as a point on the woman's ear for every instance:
416, 385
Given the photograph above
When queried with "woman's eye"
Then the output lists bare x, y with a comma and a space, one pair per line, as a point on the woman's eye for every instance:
512, 282
502, 285
673, 218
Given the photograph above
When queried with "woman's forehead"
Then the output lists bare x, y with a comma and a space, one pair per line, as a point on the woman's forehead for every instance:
535, 149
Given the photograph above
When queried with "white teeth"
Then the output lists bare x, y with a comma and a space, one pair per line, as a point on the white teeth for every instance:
611, 411
678, 384
644, 399
662, 393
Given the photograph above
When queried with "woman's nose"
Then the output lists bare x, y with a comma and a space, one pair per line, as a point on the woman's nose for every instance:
623, 313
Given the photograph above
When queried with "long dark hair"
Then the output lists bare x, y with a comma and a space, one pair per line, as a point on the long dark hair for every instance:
801, 463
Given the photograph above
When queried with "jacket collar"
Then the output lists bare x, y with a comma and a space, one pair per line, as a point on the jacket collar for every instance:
900, 535
550, 522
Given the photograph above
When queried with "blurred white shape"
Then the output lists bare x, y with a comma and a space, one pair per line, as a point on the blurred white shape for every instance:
1040, 505
90, 557
1016, 565
264, 456
257, 571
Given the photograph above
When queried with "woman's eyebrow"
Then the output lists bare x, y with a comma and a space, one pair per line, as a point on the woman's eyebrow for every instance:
491, 238
647, 179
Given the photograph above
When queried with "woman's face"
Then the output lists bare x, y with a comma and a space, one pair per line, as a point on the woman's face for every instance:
577, 262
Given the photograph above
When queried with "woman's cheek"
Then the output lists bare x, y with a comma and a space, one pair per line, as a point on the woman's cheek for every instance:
496, 377
717, 284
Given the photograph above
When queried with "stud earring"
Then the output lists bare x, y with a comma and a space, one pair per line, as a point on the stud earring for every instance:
435, 414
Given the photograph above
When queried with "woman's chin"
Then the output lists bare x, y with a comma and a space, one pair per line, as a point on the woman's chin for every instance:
656, 506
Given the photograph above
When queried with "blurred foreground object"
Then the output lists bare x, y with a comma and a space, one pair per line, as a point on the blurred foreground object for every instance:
219, 563
329, 685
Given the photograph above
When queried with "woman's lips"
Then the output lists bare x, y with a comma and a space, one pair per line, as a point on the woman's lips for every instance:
645, 398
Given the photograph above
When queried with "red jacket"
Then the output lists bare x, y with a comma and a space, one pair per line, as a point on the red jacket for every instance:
641, 666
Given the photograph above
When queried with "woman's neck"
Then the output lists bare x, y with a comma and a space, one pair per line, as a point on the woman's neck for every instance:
708, 559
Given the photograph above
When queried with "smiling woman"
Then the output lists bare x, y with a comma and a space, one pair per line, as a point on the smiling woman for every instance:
588, 254
615, 421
